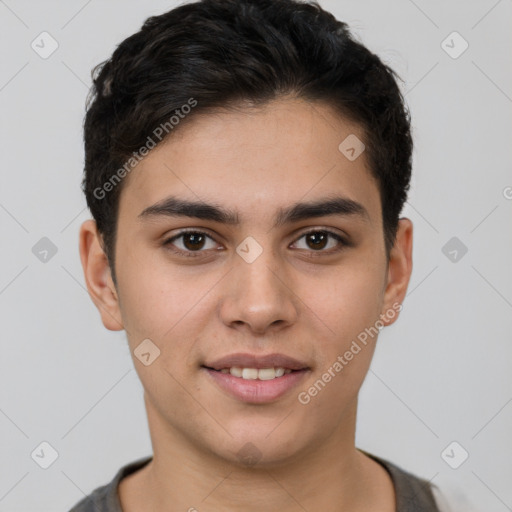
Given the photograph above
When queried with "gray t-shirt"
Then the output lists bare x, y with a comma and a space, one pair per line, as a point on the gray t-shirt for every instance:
413, 494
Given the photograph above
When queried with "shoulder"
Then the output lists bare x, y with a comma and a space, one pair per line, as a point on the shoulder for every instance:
105, 498
413, 494
97, 501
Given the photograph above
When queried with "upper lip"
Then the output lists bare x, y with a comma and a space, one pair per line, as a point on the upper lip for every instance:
257, 361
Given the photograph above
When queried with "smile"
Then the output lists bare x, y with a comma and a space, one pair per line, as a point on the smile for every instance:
255, 373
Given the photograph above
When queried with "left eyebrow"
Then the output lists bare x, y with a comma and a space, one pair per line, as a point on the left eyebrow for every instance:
338, 205
175, 207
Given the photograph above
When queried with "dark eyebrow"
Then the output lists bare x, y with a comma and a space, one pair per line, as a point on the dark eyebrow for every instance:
322, 208
174, 207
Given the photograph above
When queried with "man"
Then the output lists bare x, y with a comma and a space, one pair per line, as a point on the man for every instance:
246, 163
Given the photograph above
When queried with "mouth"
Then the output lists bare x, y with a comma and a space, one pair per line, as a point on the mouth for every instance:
256, 379
254, 373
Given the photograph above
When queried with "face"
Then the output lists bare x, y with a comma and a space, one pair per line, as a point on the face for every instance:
285, 258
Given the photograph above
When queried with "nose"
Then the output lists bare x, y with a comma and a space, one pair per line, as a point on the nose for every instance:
258, 296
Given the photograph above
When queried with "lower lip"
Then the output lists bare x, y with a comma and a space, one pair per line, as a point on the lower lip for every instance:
256, 391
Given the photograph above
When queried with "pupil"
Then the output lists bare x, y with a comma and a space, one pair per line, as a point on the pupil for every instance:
319, 239
195, 239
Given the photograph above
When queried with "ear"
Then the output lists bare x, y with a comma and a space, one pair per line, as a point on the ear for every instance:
399, 272
98, 277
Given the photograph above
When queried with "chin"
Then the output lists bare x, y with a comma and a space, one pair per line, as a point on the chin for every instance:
257, 449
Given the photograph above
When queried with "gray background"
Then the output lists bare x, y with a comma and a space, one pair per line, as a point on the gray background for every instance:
441, 374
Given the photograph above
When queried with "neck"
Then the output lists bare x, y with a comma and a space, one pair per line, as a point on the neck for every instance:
184, 475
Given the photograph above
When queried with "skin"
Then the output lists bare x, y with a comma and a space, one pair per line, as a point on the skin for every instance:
293, 299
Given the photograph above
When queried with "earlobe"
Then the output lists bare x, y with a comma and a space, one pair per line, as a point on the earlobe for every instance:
399, 272
98, 276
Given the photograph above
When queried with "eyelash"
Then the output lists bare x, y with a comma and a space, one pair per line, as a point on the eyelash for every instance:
197, 254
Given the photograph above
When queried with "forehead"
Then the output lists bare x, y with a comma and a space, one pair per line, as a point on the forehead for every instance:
255, 160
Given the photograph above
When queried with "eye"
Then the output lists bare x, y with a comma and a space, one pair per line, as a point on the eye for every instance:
191, 242
318, 240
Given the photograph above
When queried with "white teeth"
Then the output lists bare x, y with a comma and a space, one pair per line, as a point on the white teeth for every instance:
268, 373
235, 371
250, 373
255, 373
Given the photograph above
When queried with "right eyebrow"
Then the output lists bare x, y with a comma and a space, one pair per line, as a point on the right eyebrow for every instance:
174, 207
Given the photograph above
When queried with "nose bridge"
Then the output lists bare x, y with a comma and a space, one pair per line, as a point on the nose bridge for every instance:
259, 275
259, 295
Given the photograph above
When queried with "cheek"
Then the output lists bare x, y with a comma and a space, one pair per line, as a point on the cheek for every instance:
349, 304
169, 308
347, 300
155, 297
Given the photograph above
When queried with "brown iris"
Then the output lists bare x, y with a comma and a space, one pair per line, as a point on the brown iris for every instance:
318, 239
193, 241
